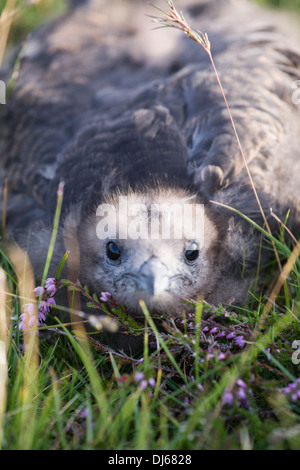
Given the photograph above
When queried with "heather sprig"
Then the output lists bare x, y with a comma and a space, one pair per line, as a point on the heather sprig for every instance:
238, 394
292, 391
47, 302
106, 303
144, 382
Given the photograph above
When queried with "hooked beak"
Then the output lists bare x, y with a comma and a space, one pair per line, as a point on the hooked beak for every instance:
153, 277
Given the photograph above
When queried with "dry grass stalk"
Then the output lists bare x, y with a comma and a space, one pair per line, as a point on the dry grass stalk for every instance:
4, 330
26, 285
4, 208
5, 24
286, 270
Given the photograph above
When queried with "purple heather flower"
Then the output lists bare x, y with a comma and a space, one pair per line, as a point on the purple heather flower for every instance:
210, 355
241, 394
143, 384
85, 413
241, 383
32, 321
230, 336
39, 290
105, 296
267, 354
49, 282
28, 317
239, 341
222, 333
41, 317
214, 330
227, 398
221, 356
151, 382
139, 376
43, 308
205, 328
22, 324
50, 286
29, 308
50, 301
51, 290
293, 390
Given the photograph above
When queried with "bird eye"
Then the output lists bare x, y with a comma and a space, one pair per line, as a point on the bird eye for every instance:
192, 252
113, 251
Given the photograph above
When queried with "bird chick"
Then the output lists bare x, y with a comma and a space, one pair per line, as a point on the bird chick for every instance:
158, 246
145, 147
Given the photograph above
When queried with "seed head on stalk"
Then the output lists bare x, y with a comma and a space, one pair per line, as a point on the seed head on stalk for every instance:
173, 19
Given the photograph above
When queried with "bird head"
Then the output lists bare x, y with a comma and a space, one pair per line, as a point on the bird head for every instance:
152, 246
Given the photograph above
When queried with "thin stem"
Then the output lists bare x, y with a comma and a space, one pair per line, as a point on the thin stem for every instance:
60, 193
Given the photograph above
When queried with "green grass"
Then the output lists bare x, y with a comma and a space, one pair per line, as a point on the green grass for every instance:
285, 4
77, 393
84, 395
29, 17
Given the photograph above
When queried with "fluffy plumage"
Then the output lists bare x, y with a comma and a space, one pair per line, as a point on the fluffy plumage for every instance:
114, 108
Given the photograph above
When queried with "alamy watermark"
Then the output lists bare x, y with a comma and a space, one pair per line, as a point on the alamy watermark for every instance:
156, 221
2, 92
296, 93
